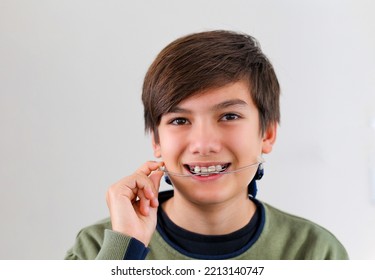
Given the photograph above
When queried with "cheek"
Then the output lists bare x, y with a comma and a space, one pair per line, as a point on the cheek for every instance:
170, 144
246, 141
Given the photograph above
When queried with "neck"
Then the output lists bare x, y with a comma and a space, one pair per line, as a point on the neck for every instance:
210, 219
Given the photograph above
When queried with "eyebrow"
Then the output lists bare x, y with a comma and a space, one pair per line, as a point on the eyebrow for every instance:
216, 107
230, 103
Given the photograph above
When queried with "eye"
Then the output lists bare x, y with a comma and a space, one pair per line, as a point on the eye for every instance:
230, 117
179, 121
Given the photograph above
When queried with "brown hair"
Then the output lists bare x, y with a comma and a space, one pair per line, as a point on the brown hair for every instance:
206, 60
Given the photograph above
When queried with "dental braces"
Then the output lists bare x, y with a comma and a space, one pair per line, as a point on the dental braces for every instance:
259, 163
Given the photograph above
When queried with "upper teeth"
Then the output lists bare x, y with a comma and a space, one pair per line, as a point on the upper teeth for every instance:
209, 169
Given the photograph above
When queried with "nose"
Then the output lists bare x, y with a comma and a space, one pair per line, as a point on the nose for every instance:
205, 139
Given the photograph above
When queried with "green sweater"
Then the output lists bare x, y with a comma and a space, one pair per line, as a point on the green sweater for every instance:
282, 236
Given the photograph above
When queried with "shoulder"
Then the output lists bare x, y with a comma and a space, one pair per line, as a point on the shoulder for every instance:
89, 240
294, 224
299, 238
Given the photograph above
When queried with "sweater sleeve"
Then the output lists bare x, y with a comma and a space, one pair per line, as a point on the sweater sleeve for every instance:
100, 242
117, 246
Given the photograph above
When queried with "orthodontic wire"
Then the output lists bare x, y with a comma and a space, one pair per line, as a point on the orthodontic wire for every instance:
162, 168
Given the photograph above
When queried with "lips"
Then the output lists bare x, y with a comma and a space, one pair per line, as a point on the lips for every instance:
206, 169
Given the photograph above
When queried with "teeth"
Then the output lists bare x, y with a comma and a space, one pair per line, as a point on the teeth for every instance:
204, 171
211, 169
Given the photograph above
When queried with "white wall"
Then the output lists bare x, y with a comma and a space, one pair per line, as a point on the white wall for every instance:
71, 117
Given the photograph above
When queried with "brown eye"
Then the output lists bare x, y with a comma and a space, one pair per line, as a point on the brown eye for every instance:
179, 121
230, 117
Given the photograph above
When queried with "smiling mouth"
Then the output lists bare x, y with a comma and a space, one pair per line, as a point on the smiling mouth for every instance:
207, 170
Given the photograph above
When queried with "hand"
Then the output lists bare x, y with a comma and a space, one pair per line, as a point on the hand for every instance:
133, 202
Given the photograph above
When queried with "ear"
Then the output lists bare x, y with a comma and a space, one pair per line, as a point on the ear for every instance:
269, 138
155, 146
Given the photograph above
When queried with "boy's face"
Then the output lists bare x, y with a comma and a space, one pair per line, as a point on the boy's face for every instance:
219, 127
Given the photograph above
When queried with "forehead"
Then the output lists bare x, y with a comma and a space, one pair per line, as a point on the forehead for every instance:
233, 94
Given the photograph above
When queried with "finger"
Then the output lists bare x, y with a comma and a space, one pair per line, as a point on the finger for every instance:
144, 183
131, 184
144, 203
146, 170
148, 167
155, 177
151, 170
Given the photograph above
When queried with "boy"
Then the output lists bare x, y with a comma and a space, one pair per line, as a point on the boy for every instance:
211, 104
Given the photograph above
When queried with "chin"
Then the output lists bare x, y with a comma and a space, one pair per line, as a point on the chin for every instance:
208, 195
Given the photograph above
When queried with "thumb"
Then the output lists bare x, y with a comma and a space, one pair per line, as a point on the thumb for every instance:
155, 178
